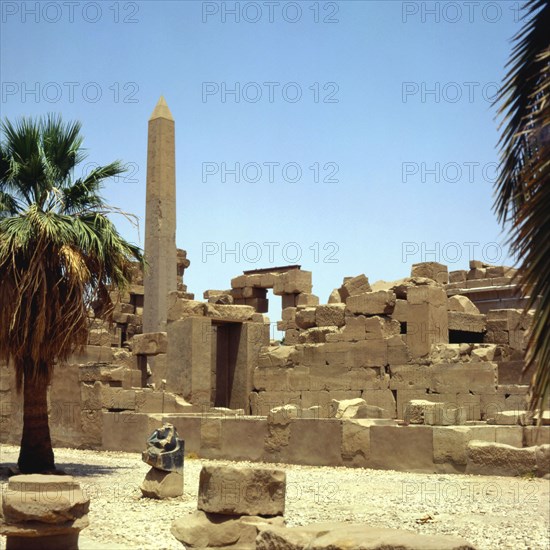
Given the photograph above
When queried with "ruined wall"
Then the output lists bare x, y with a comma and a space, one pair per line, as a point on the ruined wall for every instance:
389, 344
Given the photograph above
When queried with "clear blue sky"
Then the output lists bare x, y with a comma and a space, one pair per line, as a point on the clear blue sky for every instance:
365, 75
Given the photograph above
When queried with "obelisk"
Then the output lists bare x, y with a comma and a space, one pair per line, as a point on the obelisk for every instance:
160, 218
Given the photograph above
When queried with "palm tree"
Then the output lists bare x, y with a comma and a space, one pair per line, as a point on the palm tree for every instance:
523, 186
59, 253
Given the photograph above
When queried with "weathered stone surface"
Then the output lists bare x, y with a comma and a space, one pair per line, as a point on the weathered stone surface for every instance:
306, 300
250, 491
402, 286
331, 315
349, 408
204, 530
353, 286
467, 322
162, 484
294, 281
335, 297
380, 302
43, 498
457, 276
381, 327
345, 536
431, 270
305, 318
165, 450
316, 335
500, 459
462, 304
150, 343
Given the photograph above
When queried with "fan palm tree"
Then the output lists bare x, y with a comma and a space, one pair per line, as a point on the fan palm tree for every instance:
59, 254
523, 186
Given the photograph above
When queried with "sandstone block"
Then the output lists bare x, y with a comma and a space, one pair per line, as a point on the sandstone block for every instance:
381, 302
330, 536
335, 297
353, 286
305, 318
150, 343
160, 484
294, 281
250, 491
201, 530
431, 270
462, 304
316, 335
499, 459
306, 300
331, 315
467, 322
457, 276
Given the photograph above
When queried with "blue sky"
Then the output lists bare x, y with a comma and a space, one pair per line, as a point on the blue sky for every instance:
394, 122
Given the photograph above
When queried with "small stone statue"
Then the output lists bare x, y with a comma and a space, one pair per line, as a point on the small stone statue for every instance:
165, 450
164, 453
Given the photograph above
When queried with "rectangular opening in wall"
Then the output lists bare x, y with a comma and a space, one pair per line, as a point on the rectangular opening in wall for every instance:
226, 352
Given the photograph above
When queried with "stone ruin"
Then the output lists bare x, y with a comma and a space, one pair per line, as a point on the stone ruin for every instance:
419, 374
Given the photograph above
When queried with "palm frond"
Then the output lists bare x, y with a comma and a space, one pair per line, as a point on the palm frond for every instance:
523, 185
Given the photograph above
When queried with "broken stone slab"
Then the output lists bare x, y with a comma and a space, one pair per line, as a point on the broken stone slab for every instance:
242, 491
381, 302
467, 322
165, 450
161, 484
487, 458
205, 530
345, 536
150, 343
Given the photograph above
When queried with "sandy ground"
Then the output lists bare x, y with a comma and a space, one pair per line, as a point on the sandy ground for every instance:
493, 513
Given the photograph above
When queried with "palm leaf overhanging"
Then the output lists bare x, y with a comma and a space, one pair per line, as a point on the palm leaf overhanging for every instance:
59, 252
523, 187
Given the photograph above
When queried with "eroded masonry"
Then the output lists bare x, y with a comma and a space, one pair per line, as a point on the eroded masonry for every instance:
418, 374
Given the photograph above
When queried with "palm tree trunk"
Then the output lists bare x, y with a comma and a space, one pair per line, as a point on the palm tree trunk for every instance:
36, 454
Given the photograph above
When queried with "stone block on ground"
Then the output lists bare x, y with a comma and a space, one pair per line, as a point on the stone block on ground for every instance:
161, 484
486, 458
236, 491
346, 536
205, 530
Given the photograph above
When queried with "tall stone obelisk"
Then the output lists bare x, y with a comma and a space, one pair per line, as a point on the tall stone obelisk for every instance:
160, 218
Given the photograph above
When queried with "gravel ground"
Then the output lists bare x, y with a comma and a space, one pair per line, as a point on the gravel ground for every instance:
493, 513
